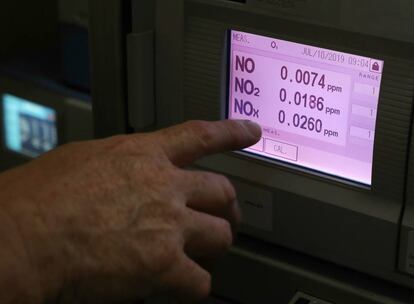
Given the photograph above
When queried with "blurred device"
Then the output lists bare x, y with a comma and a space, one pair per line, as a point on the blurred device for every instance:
29, 128
37, 116
327, 192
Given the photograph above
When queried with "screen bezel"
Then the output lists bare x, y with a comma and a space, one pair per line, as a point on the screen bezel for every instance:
279, 163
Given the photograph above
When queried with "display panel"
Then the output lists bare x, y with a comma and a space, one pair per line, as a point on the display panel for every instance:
317, 107
29, 128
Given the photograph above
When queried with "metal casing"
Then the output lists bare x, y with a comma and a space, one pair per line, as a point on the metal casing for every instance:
345, 224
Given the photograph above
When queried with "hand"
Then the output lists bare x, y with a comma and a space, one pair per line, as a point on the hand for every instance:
118, 219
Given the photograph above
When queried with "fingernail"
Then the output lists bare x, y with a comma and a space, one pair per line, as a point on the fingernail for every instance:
254, 128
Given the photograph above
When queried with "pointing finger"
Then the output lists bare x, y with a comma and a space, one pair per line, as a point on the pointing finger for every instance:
189, 141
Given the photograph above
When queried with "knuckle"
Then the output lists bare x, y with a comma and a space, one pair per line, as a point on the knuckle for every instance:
226, 193
153, 174
163, 256
118, 144
125, 143
225, 233
167, 209
176, 211
229, 192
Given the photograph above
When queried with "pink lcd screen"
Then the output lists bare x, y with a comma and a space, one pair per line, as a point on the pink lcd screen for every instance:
317, 107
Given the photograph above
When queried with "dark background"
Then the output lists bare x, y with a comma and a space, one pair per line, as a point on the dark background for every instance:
27, 28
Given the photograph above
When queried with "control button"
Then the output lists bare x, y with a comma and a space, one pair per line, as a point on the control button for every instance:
302, 301
366, 89
362, 133
282, 150
256, 205
364, 111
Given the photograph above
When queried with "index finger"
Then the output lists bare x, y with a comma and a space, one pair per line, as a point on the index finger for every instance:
189, 141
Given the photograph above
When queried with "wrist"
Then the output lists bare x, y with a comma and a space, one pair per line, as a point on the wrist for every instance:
30, 267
